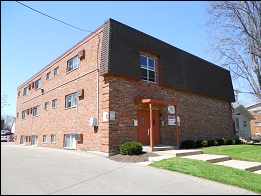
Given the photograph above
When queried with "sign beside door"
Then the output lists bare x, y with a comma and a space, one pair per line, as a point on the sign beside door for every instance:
172, 120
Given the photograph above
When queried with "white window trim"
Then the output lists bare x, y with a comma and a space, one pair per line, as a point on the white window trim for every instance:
69, 99
73, 65
56, 71
148, 69
54, 101
38, 84
257, 124
46, 106
48, 76
53, 139
45, 139
36, 111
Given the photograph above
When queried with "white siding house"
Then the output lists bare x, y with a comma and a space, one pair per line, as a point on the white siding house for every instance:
242, 118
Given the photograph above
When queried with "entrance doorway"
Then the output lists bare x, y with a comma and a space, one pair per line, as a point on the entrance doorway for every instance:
144, 127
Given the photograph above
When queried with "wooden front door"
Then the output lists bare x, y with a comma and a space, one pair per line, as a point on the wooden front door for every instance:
144, 126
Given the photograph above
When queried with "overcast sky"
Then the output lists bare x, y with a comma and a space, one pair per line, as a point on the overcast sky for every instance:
34, 36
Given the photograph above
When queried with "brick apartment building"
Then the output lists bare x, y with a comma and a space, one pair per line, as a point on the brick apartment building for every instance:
119, 84
255, 110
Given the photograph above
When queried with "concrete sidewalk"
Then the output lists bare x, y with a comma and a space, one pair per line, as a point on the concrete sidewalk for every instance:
254, 167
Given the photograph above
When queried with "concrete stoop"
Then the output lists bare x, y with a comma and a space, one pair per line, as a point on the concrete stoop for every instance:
254, 167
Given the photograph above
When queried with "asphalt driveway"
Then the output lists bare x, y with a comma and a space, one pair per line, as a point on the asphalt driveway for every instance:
29, 170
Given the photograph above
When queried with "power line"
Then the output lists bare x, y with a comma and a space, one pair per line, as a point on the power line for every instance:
52, 17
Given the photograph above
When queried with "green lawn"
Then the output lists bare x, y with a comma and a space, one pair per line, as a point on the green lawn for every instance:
219, 173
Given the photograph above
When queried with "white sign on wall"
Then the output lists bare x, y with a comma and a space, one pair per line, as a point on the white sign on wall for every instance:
172, 120
171, 109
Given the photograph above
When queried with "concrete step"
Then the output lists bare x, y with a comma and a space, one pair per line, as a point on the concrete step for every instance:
158, 148
244, 165
208, 157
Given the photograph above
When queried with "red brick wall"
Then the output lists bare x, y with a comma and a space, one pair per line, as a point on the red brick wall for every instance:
201, 117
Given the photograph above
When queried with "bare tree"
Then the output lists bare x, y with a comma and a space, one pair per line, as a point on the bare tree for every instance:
8, 122
234, 29
3, 102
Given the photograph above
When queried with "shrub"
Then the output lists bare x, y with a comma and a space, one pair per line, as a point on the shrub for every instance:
231, 142
238, 142
212, 143
131, 148
222, 141
188, 144
201, 143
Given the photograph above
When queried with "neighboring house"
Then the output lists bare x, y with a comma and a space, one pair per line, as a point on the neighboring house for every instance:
255, 110
242, 118
2, 123
119, 84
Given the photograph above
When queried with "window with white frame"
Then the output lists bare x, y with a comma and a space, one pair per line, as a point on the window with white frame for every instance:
36, 111
26, 90
45, 139
46, 106
19, 92
54, 103
257, 123
53, 138
71, 100
147, 68
257, 112
38, 84
56, 71
24, 114
244, 123
72, 64
48, 76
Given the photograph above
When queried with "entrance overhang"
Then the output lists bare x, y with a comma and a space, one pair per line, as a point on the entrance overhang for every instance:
155, 102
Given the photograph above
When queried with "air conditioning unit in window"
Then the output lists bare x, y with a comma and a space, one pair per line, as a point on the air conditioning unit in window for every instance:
80, 93
78, 137
81, 54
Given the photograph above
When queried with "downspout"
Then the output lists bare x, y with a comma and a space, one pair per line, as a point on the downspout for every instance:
97, 87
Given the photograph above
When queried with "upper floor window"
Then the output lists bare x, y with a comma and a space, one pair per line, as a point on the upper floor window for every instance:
26, 90
71, 100
257, 123
56, 71
36, 111
48, 76
256, 112
38, 84
17, 115
72, 64
54, 104
147, 68
24, 114
46, 106
19, 92
244, 123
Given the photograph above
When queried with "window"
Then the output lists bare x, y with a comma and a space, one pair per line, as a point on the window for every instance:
24, 114
48, 76
257, 123
56, 71
36, 111
53, 138
72, 64
45, 139
54, 104
244, 123
26, 91
147, 68
38, 84
71, 100
46, 106
19, 92
256, 112
17, 115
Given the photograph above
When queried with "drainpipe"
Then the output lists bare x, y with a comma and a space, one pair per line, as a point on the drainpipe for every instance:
97, 87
